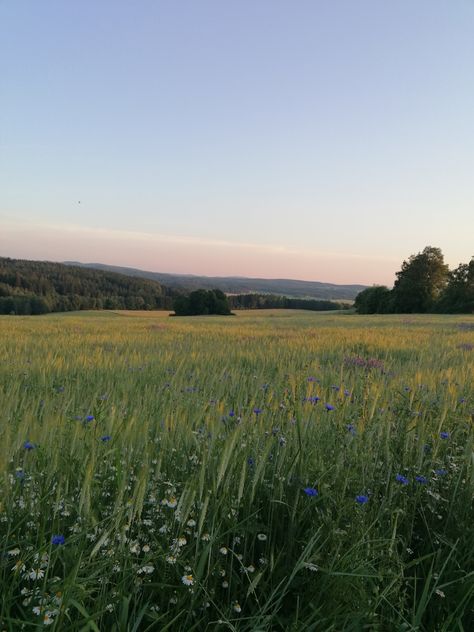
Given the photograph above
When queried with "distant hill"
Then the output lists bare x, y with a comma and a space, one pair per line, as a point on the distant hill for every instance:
240, 285
39, 287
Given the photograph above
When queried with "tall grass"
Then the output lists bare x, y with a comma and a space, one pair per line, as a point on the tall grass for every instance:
273, 471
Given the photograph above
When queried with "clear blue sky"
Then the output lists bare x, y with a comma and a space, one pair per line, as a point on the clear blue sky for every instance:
323, 140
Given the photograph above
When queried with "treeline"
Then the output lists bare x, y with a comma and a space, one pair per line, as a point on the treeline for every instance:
424, 284
272, 301
40, 287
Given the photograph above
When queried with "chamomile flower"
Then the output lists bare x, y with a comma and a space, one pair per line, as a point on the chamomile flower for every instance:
188, 580
237, 607
223, 550
36, 573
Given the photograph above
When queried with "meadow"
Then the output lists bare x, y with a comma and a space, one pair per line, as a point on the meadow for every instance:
272, 471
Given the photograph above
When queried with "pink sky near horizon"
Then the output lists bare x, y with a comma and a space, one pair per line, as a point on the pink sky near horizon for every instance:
188, 255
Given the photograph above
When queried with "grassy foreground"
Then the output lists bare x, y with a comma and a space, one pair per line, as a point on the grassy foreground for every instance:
266, 472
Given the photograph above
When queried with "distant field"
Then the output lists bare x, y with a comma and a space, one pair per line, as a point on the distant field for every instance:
272, 471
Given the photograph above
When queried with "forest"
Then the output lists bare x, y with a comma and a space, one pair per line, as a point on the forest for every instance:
40, 287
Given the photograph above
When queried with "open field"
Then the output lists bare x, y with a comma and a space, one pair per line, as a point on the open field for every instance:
271, 471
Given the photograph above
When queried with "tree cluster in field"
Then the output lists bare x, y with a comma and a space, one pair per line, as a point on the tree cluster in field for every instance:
202, 303
40, 287
424, 284
272, 301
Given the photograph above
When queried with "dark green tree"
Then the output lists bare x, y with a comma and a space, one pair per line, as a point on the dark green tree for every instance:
201, 303
420, 282
374, 300
458, 295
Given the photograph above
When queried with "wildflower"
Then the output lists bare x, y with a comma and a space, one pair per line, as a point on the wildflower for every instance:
36, 573
14, 552
250, 569
444, 435
58, 539
440, 472
328, 407
105, 438
182, 541
28, 445
361, 499
223, 550
440, 593
311, 567
145, 548
351, 429
401, 479
146, 570
19, 567
250, 462
19, 473
225, 584
191, 523
171, 559
237, 607
262, 537
205, 537
188, 580
89, 418
257, 411
48, 619
310, 491
421, 479
171, 502
231, 413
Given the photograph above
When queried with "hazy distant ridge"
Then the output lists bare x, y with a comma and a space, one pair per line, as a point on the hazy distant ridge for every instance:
239, 285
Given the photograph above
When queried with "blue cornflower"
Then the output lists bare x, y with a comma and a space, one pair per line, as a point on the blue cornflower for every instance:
335, 387
351, 429
310, 491
89, 418
58, 539
421, 479
401, 479
311, 379
28, 445
20, 474
361, 499
257, 411
346, 392
231, 413
441, 472
250, 462
328, 407
105, 438
444, 435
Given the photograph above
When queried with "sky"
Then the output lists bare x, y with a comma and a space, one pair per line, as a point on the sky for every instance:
303, 139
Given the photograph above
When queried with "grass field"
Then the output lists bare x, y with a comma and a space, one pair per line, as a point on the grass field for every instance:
270, 471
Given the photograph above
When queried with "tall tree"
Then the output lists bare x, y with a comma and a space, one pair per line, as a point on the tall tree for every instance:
458, 296
420, 282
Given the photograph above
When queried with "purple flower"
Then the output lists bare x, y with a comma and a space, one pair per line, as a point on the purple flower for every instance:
351, 429
310, 491
257, 411
444, 435
231, 413
361, 499
328, 407
58, 539
28, 445
401, 479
